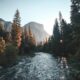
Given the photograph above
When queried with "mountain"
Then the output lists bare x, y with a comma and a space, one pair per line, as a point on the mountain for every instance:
38, 31
6, 25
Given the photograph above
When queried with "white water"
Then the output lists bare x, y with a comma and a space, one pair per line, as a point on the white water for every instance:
42, 66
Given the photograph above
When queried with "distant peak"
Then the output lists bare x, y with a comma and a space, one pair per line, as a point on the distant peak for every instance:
32, 22
1, 19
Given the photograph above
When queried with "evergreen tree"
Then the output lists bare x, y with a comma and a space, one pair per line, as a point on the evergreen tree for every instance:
7, 37
2, 45
1, 26
60, 18
17, 18
65, 35
64, 29
56, 32
75, 17
75, 21
56, 38
31, 37
30, 42
23, 44
11, 54
1, 30
75, 12
16, 30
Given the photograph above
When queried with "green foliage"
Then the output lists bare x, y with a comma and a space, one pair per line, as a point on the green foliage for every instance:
9, 56
75, 12
29, 42
66, 37
2, 45
1, 29
63, 42
75, 21
17, 18
16, 30
60, 42
56, 32
3, 60
11, 53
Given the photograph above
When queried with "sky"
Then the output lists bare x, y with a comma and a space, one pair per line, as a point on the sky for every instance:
42, 11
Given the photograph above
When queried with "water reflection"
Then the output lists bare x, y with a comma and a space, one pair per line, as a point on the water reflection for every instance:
64, 68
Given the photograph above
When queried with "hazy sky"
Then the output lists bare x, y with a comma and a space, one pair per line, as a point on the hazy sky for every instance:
41, 11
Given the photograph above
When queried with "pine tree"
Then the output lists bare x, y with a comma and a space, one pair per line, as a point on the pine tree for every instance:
2, 45
60, 18
64, 29
56, 38
56, 32
75, 12
1, 26
75, 17
60, 23
17, 18
65, 35
30, 42
16, 30
1, 30
31, 37
7, 37
75, 21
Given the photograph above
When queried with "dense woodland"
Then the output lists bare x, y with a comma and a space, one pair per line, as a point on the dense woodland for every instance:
14, 43
65, 40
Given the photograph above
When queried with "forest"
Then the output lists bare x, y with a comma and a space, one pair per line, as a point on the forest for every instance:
64, 42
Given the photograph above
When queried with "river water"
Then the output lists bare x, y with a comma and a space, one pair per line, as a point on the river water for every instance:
42, 66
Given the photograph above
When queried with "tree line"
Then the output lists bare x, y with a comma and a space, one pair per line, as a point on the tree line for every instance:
65, 40
15, 42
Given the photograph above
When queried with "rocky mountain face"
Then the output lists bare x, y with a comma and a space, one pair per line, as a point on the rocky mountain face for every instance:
7, 25
38, 31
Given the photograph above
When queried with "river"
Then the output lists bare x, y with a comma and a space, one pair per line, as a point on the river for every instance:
42, 66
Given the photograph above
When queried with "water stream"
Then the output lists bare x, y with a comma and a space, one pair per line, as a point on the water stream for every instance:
42, 66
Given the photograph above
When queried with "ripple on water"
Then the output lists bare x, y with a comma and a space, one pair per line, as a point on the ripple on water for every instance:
44, 67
